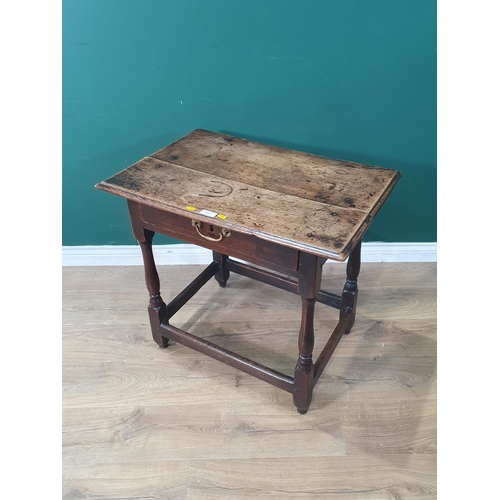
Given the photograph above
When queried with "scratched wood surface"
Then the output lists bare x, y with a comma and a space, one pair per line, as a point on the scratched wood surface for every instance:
144, 423
297, 199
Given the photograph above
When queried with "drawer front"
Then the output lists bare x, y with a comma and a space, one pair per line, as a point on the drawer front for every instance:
242, 246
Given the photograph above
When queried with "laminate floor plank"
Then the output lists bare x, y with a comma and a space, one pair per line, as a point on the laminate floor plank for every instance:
386, 477
98, 480
181, 432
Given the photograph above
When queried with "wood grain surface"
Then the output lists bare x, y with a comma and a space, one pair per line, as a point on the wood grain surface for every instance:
299, 200
141, 422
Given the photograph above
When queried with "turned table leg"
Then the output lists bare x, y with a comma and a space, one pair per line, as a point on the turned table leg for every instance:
310, 268
157, 309
222, 275
350, 292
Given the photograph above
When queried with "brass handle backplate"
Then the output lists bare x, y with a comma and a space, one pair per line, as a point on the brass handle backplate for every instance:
225, 232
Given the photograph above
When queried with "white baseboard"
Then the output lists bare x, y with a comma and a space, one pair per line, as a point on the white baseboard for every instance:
185, 254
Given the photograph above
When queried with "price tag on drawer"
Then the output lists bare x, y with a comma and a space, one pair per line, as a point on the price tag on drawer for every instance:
208, 213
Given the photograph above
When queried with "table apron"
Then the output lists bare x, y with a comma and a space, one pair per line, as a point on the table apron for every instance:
239, 245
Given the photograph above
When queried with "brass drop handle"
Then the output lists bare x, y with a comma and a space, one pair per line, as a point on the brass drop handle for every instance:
225, 232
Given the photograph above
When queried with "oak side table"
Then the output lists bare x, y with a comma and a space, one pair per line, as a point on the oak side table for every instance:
283, 212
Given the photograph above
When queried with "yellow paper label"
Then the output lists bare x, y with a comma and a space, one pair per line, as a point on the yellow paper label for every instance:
220, 216
191, 209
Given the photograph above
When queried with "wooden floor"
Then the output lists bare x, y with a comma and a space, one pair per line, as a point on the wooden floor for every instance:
142, 422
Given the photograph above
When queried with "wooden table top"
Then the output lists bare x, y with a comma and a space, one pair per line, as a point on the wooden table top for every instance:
303, 201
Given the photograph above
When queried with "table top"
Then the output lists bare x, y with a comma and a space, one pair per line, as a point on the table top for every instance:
303, 201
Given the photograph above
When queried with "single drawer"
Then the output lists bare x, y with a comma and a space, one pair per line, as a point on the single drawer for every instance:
242, 246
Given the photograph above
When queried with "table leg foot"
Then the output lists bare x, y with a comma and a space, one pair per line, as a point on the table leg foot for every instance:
303, 383
156, 314
222, 275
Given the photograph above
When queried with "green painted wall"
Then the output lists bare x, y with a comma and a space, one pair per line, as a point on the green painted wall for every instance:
348, 79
